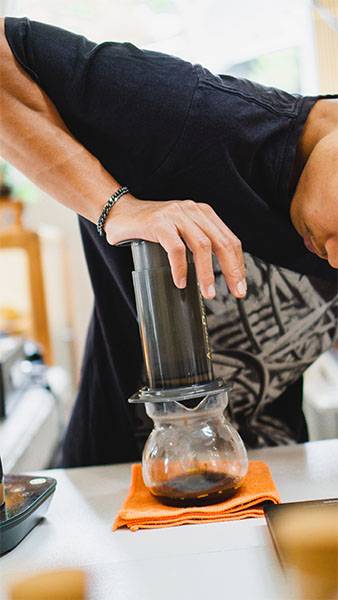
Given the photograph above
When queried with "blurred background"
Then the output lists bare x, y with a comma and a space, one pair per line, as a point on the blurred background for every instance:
45, 295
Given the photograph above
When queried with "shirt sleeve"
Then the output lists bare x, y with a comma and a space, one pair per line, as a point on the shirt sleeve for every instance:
125, 105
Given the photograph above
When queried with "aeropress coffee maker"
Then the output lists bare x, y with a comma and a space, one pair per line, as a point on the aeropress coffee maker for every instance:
24, 500
193, 455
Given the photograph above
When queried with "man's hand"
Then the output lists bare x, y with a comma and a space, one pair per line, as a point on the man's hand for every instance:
173, 222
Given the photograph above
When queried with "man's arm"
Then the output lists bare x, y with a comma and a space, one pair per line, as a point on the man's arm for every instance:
34, 139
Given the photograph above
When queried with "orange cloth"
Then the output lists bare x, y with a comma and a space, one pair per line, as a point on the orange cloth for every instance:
142, 510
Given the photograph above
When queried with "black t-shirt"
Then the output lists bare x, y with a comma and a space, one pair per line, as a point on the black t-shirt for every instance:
168, 130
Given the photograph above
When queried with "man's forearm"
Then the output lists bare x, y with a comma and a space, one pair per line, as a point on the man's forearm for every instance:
34, 138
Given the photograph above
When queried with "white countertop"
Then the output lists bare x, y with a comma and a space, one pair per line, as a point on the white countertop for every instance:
192, 562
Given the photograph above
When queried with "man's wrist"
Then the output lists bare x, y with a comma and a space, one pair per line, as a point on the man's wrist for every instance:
114, 198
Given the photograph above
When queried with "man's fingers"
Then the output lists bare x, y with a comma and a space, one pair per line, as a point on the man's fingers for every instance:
232, 267
228, 250
171, 239
201, 247
176, 250
225, 245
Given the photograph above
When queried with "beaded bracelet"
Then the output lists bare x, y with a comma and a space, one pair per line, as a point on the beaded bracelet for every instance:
108, 206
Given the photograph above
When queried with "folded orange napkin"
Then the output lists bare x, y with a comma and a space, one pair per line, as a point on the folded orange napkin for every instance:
142, 510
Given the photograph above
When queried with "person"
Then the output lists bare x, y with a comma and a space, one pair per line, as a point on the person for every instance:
209, 161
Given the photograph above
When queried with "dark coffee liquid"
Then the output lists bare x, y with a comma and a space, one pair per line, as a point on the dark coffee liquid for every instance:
196, 489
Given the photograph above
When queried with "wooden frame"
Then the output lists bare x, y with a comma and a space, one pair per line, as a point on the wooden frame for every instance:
14, 235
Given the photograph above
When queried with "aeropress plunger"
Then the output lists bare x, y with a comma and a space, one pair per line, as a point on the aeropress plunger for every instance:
24, 500
193, 455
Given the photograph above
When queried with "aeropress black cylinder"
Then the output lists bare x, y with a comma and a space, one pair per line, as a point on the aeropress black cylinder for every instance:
172, 321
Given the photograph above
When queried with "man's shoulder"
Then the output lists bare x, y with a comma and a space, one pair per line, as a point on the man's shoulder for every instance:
274, 99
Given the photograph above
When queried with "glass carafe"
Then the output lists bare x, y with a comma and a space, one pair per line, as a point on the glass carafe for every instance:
193, 456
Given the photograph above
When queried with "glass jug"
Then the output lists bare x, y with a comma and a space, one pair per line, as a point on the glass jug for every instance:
193, 456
